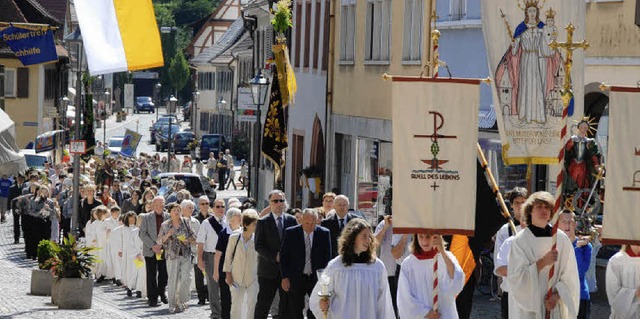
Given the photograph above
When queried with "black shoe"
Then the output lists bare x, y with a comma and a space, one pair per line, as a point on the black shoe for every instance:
16, 241
129, 293
201, 302
99, 280
138, 294
118, 283
164, 299
153, 303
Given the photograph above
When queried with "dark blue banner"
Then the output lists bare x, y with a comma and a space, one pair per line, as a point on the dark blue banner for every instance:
30, 46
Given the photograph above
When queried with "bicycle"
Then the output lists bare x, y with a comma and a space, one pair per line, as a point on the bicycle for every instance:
487, 281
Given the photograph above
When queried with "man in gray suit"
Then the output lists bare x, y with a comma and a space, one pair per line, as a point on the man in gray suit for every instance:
156, 267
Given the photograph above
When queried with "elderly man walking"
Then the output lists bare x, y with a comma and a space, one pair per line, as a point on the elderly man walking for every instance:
152, 252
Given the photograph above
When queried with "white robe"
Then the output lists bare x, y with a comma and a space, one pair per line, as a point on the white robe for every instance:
101, 229
91, 241
528, 287
415, 287
358, 291
623, 280
115, 247
141, 273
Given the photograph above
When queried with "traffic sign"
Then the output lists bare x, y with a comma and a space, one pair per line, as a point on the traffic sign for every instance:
78, 147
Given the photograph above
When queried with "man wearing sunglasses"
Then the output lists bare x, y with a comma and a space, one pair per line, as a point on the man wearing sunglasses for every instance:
201, 287
207, 240
268, 239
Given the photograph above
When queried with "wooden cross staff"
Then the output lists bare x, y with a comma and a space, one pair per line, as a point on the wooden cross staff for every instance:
568, 46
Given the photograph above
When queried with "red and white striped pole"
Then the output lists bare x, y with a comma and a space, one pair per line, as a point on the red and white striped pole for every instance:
435, 283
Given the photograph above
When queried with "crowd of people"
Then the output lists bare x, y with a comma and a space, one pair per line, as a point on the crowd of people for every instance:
296, 263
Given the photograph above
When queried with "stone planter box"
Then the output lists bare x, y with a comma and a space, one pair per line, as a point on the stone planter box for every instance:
54, 290
74, 293
41, 282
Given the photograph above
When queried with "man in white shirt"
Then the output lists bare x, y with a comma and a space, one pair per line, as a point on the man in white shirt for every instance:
99, 150
207, 240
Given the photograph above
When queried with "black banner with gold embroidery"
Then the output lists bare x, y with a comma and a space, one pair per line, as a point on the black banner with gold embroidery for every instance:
274, 134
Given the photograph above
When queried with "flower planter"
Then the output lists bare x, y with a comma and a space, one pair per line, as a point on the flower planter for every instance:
54, 290
41, 282
74, 293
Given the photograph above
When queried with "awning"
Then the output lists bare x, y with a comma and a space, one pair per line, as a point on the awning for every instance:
48, 141
12, 162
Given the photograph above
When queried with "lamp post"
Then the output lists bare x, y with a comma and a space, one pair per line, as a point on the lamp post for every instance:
75, 39
259, 88
222, 104
172, 106
158, 88
104, 116
194, 112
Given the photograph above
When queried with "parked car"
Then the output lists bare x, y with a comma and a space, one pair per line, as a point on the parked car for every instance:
182, 140
36, 160
162, 121
115, 145
164, 135
197, 185
144, 104
211, 143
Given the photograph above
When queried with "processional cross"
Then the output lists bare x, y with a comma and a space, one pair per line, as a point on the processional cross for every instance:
569, 47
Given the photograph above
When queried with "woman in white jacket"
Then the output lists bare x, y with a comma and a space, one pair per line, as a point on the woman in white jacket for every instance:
241, 267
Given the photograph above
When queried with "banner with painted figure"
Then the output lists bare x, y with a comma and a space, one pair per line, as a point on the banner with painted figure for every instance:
528, 74
130, 143
434, 154
620, 224
32, 44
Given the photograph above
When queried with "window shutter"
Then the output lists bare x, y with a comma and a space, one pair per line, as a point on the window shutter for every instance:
23, 83
638, 13
268, 42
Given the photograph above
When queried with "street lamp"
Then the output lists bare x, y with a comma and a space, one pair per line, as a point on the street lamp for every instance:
104, 116
194, 112
158, 88
172, 106
222, 104
259, 88
75, 39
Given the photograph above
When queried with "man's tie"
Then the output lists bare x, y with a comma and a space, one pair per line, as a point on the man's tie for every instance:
341, 223
280, 226
307, 254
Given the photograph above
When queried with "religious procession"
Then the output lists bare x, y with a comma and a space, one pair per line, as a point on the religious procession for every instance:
435, 159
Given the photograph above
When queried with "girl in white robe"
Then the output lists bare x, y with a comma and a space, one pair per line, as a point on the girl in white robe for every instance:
130, 253
116, 253
356, 279
101, 229
139, 275
623, 283
530, 260
90, 238
415, 285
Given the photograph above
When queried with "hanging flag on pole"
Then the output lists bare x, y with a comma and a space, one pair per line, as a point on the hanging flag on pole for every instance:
119, 35
529, 74
620, 224
274, 134
434, 154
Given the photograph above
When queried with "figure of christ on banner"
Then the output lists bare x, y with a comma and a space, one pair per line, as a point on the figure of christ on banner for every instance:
528, 77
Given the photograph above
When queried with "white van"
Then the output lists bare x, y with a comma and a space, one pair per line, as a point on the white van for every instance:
36, 159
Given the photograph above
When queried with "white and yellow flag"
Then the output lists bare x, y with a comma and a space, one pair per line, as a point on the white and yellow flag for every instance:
622, 182
119, 35
528, 74
434, 154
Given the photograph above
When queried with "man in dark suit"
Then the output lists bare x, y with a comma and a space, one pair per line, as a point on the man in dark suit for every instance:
337, 221
156, 268
305, 249
268, 239
14, 192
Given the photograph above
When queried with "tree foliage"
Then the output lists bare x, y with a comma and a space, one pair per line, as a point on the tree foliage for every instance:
178, 71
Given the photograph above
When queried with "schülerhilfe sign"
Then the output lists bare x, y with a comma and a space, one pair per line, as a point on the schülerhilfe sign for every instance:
31, 46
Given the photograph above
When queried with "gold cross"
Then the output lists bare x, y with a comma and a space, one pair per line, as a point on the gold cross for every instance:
569, 47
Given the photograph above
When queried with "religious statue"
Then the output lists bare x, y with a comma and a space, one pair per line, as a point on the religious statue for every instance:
531, 66
582, 159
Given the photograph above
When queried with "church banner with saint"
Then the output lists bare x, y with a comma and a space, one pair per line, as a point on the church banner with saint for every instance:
434, 154
528, 74
620, 224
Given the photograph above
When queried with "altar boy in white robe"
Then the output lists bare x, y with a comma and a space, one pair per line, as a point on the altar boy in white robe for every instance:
415, 285
114, 246
356, 279
530, 260
623, 283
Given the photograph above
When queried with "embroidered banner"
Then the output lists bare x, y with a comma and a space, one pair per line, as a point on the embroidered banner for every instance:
528, 74
622, 183
434, 154
130, 143
30, 44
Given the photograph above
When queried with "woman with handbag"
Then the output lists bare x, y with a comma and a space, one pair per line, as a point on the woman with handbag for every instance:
241, 267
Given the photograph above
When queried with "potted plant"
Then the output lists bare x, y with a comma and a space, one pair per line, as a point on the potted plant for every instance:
41, 277
313, 175
72, 265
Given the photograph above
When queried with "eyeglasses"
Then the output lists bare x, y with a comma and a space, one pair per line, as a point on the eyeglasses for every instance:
277, 200
217, 206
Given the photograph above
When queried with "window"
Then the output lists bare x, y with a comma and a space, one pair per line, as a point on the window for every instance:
206, 81
347, 30
50, 83
457, 10
378, 30
10, 82
224, 80
412, 35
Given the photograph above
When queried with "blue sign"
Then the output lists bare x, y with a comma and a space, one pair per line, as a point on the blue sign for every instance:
31, 46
